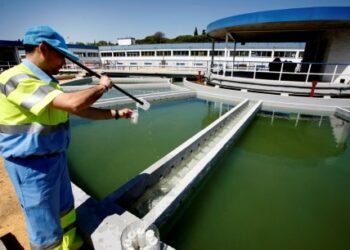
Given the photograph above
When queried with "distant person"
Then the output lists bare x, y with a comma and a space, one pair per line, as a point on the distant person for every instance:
34, 136
275, 65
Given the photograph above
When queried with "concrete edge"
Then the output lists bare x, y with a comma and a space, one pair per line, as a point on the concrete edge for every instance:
342, 113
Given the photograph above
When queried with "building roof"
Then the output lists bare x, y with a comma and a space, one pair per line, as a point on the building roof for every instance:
292, 25
81, 46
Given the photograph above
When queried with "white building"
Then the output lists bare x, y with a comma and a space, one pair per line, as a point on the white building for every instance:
198, 55
126, 41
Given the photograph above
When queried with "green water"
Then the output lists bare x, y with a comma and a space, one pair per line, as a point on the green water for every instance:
103, 155
281, 186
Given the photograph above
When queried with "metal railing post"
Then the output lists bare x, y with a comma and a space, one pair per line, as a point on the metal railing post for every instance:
334, 73
308, 72
254, 72
232, 70
281, 72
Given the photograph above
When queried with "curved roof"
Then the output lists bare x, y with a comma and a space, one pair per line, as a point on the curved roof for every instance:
281, 25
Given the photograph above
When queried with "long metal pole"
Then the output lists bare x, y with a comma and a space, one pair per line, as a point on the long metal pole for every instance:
95, 74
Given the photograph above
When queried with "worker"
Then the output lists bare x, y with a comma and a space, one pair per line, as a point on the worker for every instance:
34, 136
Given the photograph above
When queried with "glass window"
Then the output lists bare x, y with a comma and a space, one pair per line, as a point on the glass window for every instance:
92, 54
164, 53
147, 64
133, 63
301, 54
241, 53
80, 54
199, 53
147, 53
290, 54
119, 54
106, 54
217, 53
133, 53
257, 53
181, 53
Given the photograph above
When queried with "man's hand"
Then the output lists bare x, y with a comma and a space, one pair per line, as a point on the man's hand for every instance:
125, 113
106, 82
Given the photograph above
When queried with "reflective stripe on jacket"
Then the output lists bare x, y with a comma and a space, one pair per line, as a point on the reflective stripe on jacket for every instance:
27, 125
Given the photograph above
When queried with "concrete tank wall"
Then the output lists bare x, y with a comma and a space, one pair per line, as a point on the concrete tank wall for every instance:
338, 51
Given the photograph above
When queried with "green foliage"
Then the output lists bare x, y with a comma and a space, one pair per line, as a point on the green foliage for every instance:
179, 39
159, 37
100, 43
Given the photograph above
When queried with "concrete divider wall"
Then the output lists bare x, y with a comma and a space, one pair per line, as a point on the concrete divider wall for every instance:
70, 88
342, 113
134, 188
112, 102
173, 199
138, 80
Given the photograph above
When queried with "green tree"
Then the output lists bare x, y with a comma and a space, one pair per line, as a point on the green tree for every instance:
159, 37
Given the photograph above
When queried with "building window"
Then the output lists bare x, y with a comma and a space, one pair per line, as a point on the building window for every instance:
164, 53
217, 53
199, 53
301, 54
106, 54
286, 54
147, 53
240, 53
181, 53
133, 53
92, 54
80, 54
147, 64
180, 64
119, 54
133, 63
257, 53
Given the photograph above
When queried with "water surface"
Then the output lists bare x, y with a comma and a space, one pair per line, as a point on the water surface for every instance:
103, 155
283, 185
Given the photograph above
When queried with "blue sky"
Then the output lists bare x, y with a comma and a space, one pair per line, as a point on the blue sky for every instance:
89, 20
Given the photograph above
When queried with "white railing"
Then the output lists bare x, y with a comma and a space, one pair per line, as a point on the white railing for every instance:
280, 71
4, 65
302, 71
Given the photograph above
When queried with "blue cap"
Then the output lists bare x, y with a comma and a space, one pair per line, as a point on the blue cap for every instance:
43, 33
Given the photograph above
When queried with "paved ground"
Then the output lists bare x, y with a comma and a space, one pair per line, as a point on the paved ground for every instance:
11, 217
